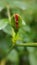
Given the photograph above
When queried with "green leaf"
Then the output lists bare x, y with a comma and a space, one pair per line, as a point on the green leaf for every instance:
8, 29
13, 56
5, 46
18, 4
2, 3
32, 55
3, 23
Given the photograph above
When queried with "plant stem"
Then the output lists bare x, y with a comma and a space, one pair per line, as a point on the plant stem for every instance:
3, 62
8, 11
27, 44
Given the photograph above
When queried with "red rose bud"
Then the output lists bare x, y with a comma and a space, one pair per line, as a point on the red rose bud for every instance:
16, 20
16, 25
16, 17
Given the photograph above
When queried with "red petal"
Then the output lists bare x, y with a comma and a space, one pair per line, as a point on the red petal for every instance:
16, 17
16, 25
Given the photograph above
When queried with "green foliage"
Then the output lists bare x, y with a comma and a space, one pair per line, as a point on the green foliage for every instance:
26, 33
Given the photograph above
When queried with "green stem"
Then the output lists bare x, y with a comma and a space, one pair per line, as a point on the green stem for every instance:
8, 10
27, 44
3, 62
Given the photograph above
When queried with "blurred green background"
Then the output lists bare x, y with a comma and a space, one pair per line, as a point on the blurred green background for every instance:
18, 55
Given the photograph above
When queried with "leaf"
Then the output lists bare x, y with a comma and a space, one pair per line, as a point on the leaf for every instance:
32, 55
5, 46
13, 56
1, 9
18, 4
3, 23
2, 3
8, 29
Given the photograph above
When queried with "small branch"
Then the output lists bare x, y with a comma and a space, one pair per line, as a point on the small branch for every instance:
27, 44
3, 62
0, 62
8, 11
